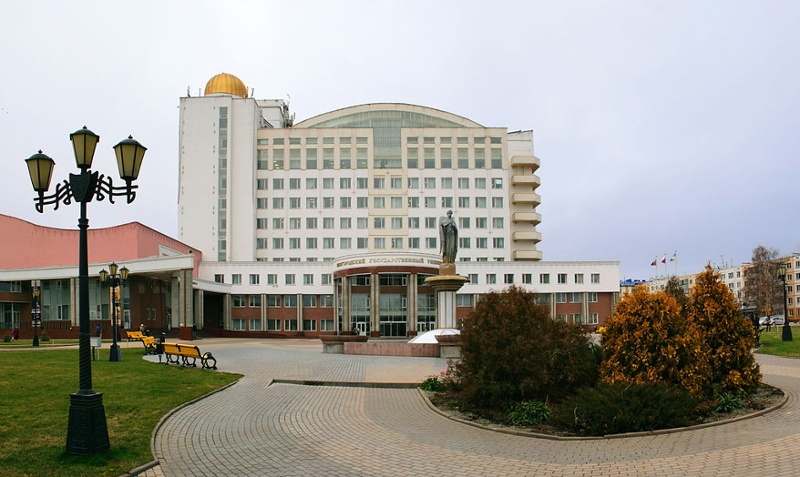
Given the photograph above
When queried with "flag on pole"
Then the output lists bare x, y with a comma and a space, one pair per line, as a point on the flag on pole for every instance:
674, 255
664, 260
655, 262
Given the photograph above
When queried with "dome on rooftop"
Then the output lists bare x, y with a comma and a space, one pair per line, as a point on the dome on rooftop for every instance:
225, 83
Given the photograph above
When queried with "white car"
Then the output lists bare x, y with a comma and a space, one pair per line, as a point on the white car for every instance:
777, 320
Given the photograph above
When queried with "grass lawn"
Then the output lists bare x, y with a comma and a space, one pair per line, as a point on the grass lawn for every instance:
35, 388
772, 343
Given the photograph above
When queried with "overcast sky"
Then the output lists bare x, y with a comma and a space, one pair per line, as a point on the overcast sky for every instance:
661, 126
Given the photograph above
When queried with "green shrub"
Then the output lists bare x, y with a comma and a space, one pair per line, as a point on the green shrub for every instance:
513, 351
528, 413
728, 402
45, 336
7, 338
625, 407
432, 384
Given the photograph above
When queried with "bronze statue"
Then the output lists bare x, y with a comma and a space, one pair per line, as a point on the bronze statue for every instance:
448, 236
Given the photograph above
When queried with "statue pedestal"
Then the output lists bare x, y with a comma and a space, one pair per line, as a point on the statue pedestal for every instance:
446, 284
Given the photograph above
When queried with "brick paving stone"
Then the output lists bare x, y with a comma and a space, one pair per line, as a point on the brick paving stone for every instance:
292, 430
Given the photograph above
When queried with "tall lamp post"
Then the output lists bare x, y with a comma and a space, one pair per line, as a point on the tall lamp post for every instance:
787, 330
114, 281
36, 314
87, 432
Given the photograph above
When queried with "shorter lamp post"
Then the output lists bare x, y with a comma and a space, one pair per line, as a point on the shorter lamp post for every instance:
116, 282
36, 315
787, 331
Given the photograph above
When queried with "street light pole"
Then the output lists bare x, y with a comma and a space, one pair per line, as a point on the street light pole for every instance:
787, 330
87, 432
116, 282
36, 314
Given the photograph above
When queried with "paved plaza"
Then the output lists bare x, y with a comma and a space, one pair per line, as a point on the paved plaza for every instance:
265, 426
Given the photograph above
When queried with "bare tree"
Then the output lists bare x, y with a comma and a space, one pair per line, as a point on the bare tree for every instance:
762, 288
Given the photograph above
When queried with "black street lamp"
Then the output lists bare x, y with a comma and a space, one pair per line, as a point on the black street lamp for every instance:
787, 330
36, 314
87, 432
116, 282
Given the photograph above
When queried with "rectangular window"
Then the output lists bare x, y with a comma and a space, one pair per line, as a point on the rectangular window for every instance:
464, 300
497, 202
413, 182
430, 182
491, 279
327, 223
294, 223
595, 278
397, 242
508, 278
236, 278
527, 278
345, 158
327, 202
544, 278
237, 301
254, 301
480, 202
591, 297
463, 222
497, 183
430, 202
311, 243
274, 301
579, 278
397, 202
480, 182
289, 279
463, 158
308, 279
290, 301
277, 243
497, 222
480, 222
362, 242
464, 242
498, 242
254, 278
277, 159
562, 278
277, 202
481, 242
561, 297
397, 222
413, 243
480, 158
413, 222
290, 325
497, 158
379, 243
413, 202
446, 158
575, 297
261, 203
473, 278
430, 242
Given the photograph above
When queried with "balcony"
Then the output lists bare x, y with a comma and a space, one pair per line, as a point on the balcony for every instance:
527, 255
525, 161
531, 236
530, 217
526, 180
527, 198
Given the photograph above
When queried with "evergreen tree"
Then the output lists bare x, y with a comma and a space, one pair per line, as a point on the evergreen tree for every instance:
726, 336
646, 342
512, 350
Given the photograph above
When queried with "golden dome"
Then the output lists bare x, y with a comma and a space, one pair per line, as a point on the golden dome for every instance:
225, 83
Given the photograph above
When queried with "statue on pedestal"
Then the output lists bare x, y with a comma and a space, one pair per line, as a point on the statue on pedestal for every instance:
448, 236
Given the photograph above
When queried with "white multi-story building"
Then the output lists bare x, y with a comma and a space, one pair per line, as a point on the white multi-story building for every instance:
332, 222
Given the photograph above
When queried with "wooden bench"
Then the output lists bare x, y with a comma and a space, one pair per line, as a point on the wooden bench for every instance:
134, 335
177, 353
149, 344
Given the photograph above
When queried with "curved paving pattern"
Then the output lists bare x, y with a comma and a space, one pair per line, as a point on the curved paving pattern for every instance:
292, 430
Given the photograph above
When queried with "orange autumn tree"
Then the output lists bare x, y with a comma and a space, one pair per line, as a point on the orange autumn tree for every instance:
726, 336
646, 342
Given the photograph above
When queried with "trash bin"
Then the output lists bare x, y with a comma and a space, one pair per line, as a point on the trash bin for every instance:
160, 345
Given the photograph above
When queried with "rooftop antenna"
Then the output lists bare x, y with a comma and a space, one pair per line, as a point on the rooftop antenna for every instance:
188, 91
